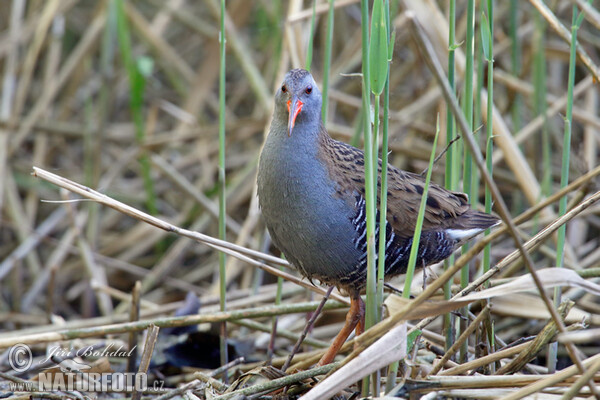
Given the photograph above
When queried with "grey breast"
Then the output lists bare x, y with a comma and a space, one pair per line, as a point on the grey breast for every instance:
307, 222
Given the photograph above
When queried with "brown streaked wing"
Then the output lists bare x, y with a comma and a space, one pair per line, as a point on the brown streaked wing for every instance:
444, 208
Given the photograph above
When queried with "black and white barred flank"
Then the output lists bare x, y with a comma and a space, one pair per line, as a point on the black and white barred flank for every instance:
434, 246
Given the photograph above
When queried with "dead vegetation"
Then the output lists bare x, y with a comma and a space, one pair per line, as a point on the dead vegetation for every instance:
132, 291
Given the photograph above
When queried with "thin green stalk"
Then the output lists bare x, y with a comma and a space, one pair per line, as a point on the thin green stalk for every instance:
477, 113
566, 155
378, 70
327, 58
274, 319
378, 75
539, 84
277, 16
380, 267
379, 67
414, 249
382, 215
488, 46
468, 107
452, 161
358, 128
469, 46
137, 72
370, 165
88, 143
222, 194
515, 61
393, 368
479, 76
451, 165
384, 160
101, 109
540, 106
370, 182
487, 41
469, 172
309, 51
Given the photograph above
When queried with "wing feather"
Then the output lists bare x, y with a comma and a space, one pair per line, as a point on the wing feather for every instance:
445, 209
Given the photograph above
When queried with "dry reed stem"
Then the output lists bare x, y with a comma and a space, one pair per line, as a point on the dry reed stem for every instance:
435, 66
185, 387
134, 315
163, 322
532, 243
237, 251
461, 339
151, 337
565, 34
550, 380
559, 104
246, 61
48, 14
542, 339
438, 32
278, 383
69, 66
166, 54
90, 106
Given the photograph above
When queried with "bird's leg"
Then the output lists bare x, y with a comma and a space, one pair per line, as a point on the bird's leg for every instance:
360, 327
354, 319
309, 325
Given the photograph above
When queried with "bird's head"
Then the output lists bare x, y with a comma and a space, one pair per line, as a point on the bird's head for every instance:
300, 96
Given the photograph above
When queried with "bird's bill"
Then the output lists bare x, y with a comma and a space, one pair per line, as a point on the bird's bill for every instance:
294, 107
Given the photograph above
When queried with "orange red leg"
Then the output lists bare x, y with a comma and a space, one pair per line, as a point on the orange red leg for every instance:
355, 319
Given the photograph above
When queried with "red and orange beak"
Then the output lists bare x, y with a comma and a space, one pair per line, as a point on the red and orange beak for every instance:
294, 107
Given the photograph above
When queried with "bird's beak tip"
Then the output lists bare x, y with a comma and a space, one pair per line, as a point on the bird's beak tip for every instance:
294, 107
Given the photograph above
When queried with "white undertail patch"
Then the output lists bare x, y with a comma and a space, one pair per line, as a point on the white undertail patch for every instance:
465, 234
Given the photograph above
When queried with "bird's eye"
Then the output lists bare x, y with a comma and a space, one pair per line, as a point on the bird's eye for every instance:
283, 89
308, 89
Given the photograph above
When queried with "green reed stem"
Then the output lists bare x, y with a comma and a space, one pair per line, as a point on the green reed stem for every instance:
370, 167
487, 41
378, 70
278, 296
384, 161
515, 61
414, 249
451, 164
382, 215
389, 51
222, 194
393, 368
370, 181
469, 171
468, 110
101, 110
311, 35
378, 74
137, 72
566, 159
327, 58
540, 105
358, 128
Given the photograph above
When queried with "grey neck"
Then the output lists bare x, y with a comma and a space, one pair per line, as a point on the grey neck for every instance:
305, 137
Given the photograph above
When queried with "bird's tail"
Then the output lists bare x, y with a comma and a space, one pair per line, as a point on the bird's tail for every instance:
472, 223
